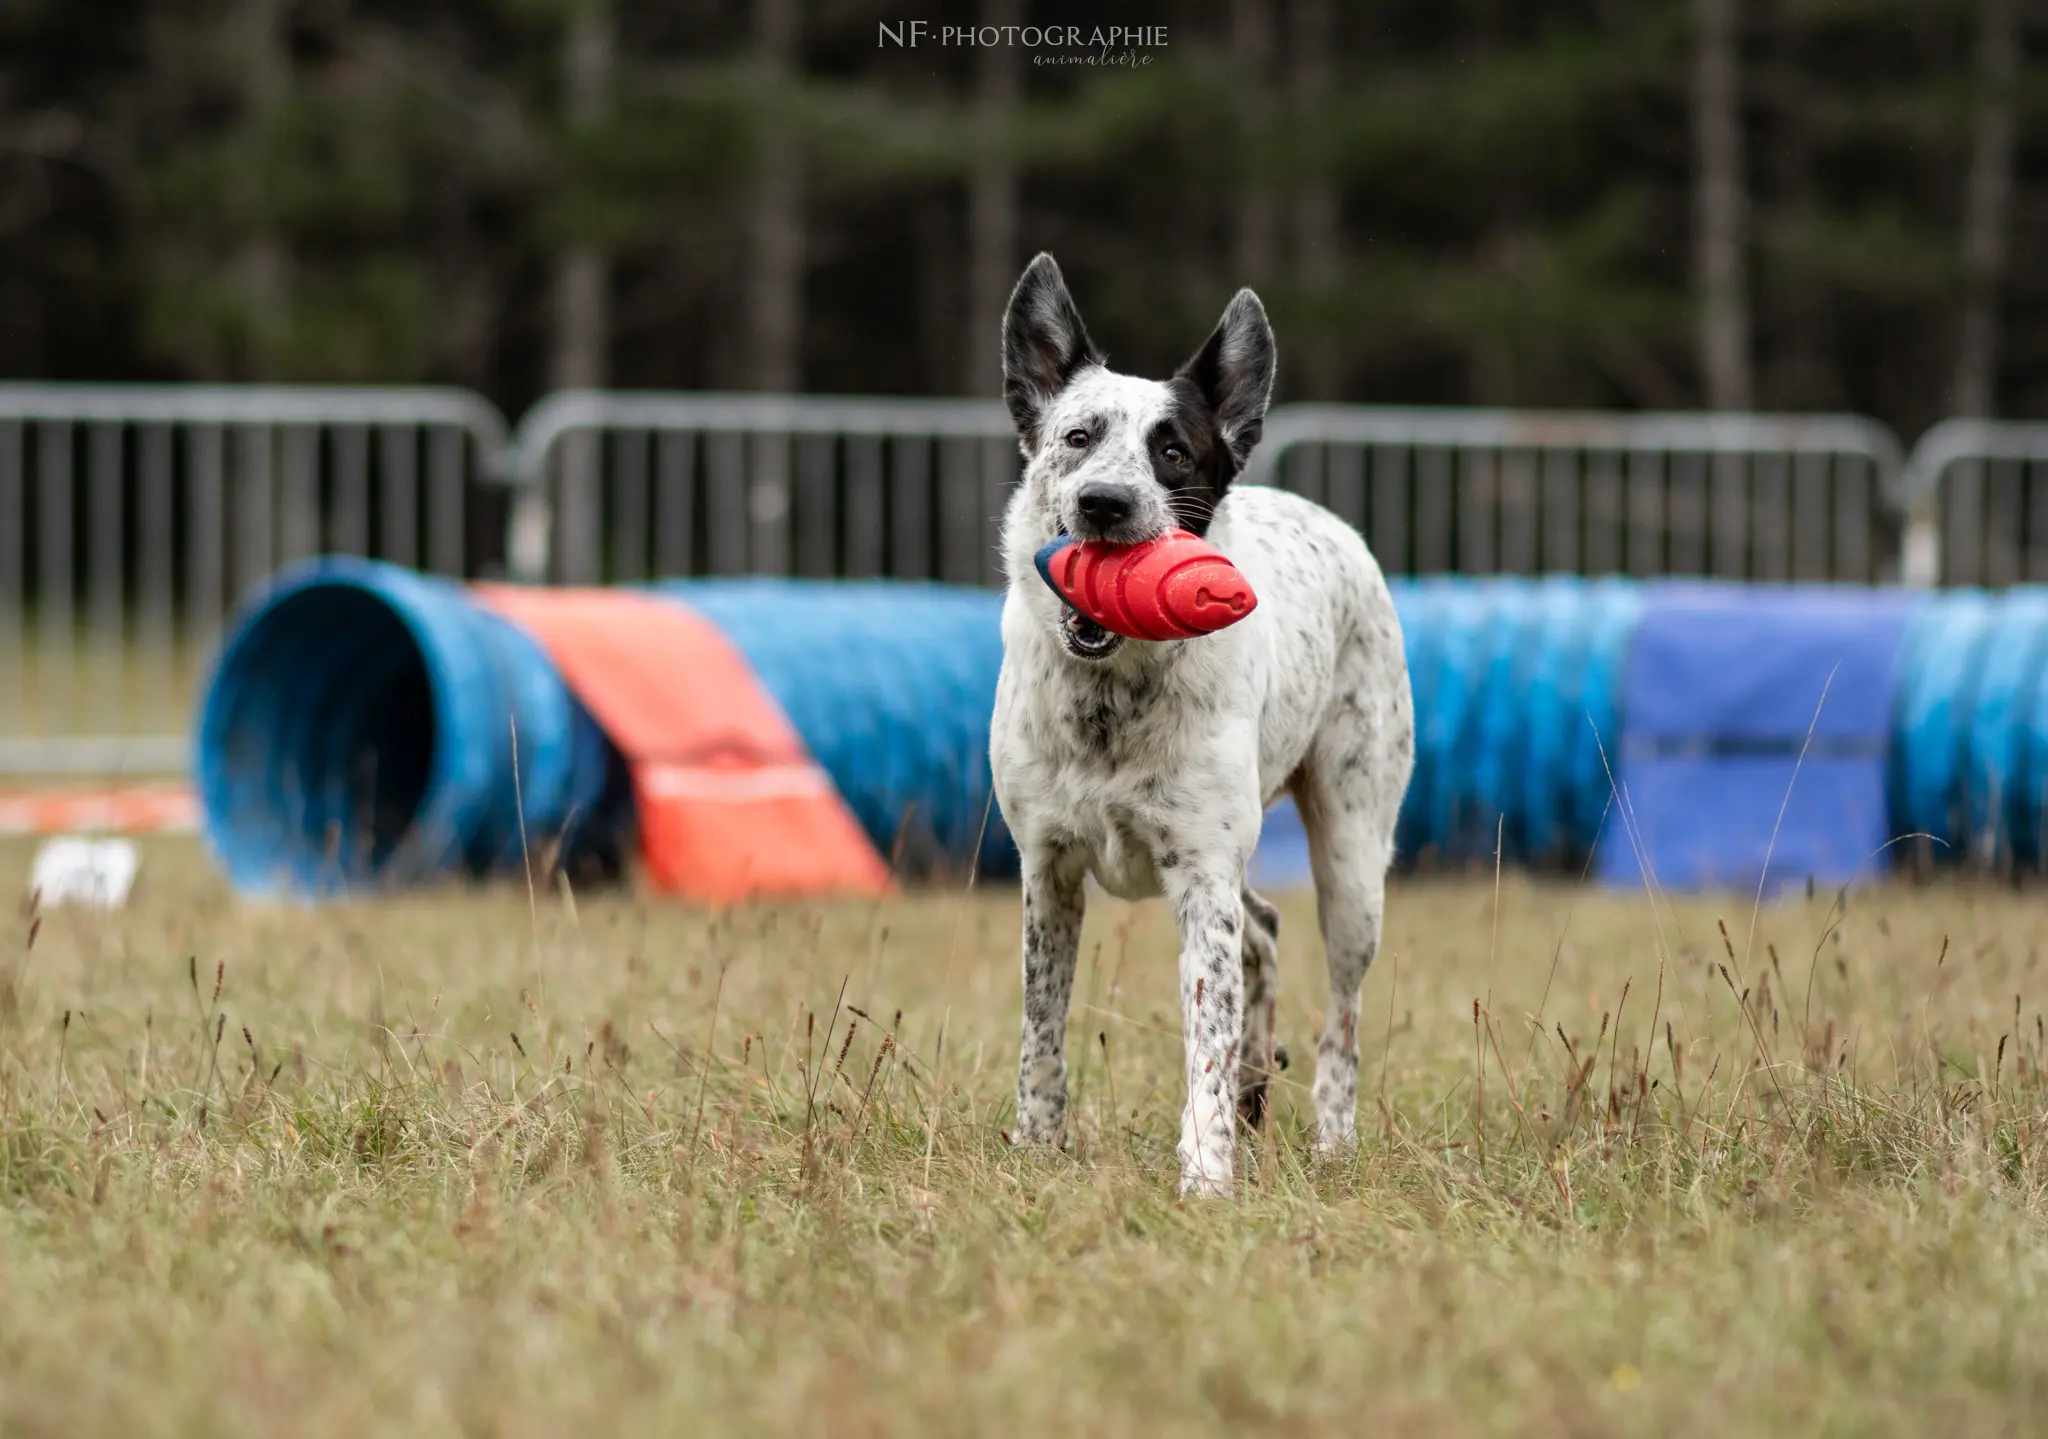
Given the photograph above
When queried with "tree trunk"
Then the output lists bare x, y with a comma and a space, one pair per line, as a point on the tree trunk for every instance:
1252, 46
1987, 210
992, 220
581, 339
582, 316
1318, 259
775, 232
1720, 207
264, 266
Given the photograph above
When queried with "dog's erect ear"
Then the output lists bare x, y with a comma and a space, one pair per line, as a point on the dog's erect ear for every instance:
1044, 344
1234, 371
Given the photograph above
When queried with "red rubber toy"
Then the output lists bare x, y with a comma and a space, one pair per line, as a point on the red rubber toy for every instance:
1176, 587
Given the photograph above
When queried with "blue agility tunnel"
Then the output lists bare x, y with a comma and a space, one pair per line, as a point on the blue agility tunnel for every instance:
1516, 684
891, 685
361, 726
360, 729
1968, 774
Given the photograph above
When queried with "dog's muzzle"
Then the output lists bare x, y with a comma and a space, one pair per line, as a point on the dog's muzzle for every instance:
1084, 639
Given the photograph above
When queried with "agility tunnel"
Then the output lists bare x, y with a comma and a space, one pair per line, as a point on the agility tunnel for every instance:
366, 727
1968, 778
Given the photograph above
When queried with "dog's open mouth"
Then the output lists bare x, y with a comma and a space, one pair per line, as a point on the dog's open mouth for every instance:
1085, 639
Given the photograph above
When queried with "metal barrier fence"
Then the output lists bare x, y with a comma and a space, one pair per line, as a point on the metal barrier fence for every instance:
624, 486
1765, 497
133, 517
1977, 495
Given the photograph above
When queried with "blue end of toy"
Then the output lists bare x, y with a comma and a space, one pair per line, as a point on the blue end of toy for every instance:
1044, 558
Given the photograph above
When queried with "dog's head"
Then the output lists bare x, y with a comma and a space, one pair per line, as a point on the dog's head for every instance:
1117, 458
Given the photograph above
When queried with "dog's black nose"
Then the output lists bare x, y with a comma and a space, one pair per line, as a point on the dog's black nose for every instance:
1105, 506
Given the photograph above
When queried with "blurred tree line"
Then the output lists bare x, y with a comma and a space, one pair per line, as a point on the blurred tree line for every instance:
1791, 204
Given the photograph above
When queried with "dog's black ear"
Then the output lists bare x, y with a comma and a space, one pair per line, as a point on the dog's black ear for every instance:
1044, 344
1234, 371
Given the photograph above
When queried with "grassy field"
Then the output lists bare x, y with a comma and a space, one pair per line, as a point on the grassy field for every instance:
502, 1164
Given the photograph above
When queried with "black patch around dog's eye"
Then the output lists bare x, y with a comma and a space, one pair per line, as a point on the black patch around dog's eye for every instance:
1196, 485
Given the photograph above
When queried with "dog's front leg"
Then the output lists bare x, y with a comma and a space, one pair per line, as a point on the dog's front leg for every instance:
1209, 909
1054, 902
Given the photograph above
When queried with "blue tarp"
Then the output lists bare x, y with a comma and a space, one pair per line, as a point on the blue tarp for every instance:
1726, 687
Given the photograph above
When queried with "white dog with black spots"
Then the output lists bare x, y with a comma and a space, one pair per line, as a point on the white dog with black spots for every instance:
1150, 765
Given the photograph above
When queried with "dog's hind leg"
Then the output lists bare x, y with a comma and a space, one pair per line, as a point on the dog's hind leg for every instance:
1261, 996
1054, 904
1350, 846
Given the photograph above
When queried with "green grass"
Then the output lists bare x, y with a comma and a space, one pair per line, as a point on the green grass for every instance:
455, 1163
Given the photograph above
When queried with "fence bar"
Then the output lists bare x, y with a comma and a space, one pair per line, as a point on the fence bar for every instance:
205, 566
1854, 558
1387, 530
1518, 512
866, 544
630, 504
817, 510
55, 581
910, 508
155, 547
1809, 517
138, 513
349, 522
103, 563
1647, 528
1967, 513
1000, 468
675, 504
447, 541
1344, 482
960, 502
725, 502
399, 494
13, 582
1686, 514
1561, 517
298, 494
768, 505
1771, 506
1728, 517
253, 556
1649, 493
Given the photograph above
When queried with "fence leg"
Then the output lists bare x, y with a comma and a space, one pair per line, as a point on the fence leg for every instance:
1920, 548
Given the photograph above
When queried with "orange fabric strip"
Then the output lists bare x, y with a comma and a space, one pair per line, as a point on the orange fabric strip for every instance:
731, 806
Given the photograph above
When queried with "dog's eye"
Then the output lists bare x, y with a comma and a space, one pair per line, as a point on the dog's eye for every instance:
1175, 456
1078, 439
